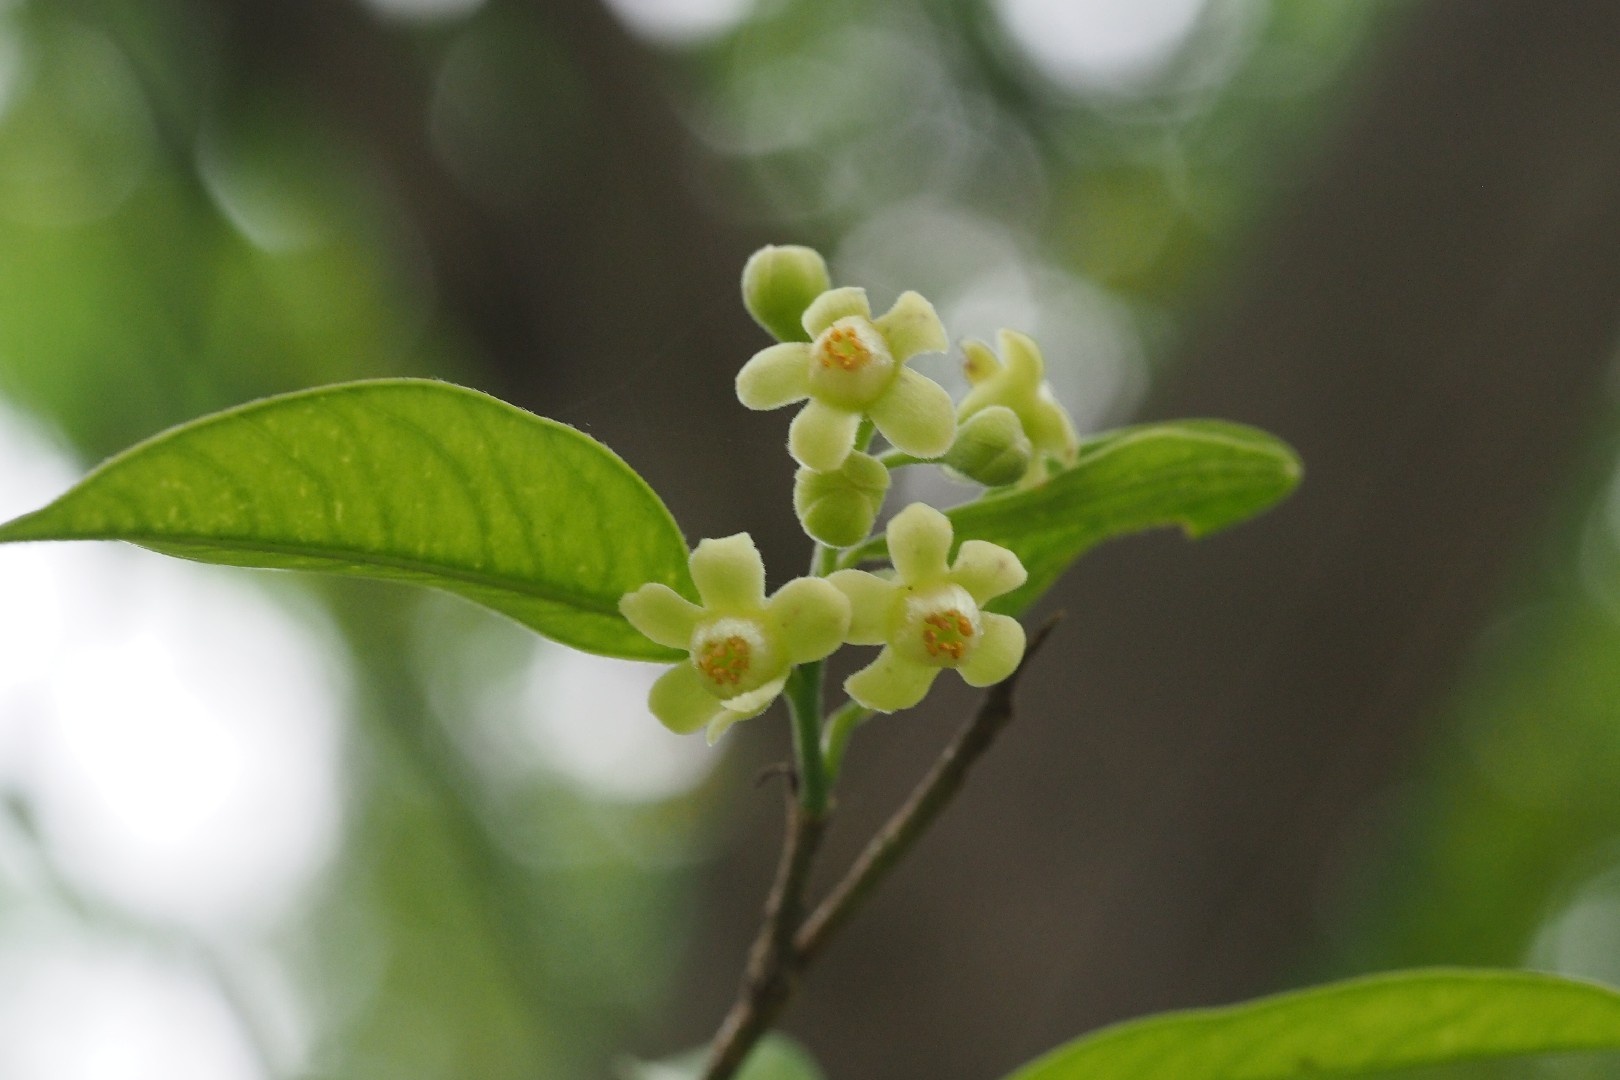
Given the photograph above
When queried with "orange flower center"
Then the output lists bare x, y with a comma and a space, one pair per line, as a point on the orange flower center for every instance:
725, 660
947, 633
843, 348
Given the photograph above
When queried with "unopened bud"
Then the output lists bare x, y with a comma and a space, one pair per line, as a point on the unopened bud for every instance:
991, 448
839, 507
778, 284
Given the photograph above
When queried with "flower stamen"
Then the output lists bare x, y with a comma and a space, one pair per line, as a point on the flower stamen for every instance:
842, 347
725, 661
947, 633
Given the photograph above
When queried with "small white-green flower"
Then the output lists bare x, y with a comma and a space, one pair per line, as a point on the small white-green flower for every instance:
930, 616
1018, 381
854, 366
740, 644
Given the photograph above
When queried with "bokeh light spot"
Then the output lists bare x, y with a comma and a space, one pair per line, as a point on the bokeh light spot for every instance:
75, 1009
681, 22
1115, 45
175, 732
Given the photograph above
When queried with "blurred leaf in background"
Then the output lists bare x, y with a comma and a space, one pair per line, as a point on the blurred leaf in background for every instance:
266, 828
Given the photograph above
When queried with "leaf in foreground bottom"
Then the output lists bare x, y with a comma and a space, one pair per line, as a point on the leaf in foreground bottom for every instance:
1396, 1021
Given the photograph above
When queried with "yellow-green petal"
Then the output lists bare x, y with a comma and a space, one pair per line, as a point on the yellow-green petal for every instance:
661, 613
891, 682
987, 570
835, 304
916, 415
822, 436
1000, 647
810, 618
871, 602
1025, 367
912, 326
755, 701
743, 707
1050, 428
777, 376
919, 542
681, 702
729, 574
978, 364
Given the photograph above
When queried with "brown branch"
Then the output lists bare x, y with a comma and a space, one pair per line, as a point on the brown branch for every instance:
780, 955
931, 795
773, 968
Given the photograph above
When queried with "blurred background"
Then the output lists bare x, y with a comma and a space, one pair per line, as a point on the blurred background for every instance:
263, 827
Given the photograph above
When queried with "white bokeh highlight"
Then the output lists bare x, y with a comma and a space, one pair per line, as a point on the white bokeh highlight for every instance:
1116, 45
175, 733
74, 1007
681, 22
587, 719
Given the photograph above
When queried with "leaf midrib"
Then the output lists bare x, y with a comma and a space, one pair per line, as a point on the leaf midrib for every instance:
522, 587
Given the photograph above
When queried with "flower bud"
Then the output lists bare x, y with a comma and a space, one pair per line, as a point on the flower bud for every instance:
839, 507
991, 448
778, 284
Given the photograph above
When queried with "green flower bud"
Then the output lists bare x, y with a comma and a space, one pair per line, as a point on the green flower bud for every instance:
1018, 380
991, 448
778, 284
839, 507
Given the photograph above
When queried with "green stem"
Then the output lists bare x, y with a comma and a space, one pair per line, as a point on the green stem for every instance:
824, 561
836, 732
896, 459
803, 693
864, 434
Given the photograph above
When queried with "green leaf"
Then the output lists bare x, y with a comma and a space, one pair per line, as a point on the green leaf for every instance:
1396, 1021
400, 479
1202, 475
776, 1057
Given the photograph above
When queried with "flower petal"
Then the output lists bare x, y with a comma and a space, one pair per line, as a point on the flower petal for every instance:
978, 362
912, 326
756, 700
891, 682
1025, 366
998, 652
871, 601
1050, 427
987, 570
916, 415
835, 304
919, 541
729, 574
662, 614
822, 436
810, 617
777, 376
680, 700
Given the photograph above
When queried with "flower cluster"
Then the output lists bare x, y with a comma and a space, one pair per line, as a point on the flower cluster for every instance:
927, 611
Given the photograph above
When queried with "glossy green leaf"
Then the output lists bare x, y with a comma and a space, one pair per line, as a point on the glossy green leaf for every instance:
1201, 475
776, 1057
401, 479
1383, 1022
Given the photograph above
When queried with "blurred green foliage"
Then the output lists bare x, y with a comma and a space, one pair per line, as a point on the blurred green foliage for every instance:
176, 237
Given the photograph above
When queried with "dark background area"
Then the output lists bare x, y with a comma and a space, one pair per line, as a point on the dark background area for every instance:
1379, 726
